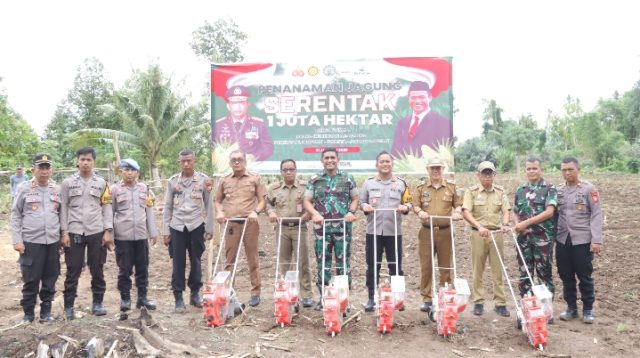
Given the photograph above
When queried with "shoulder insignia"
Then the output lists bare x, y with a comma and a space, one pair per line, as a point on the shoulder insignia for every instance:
474, 187
174, 176
275, 185
371, 178
221, 119
313, 178
498, 187
402, 180
256, 119
595, 196
451, 181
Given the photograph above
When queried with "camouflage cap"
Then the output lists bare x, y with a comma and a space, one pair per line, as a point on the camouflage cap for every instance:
486, 165
435, 162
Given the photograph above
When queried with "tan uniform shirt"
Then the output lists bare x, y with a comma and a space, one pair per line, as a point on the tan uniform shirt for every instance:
187, 203
286, 201
35, 214
239, 195
133, 212
86, 205
487, 206
437, 202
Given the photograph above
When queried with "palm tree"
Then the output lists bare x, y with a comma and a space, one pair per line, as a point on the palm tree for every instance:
153, 116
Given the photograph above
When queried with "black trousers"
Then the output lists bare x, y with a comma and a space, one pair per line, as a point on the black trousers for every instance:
132, 254
182, 242
576, 261
383, 244
74, 258
39, 263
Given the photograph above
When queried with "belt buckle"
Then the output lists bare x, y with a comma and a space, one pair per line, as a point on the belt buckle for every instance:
290, 224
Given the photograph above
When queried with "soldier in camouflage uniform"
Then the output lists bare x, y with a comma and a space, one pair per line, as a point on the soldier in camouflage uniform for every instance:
331, 194
534, 207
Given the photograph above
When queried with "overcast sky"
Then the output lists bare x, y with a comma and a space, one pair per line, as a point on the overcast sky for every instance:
528, 56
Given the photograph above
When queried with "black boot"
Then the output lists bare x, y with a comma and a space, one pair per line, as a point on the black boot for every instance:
68, 309
318, 307
180, 307
370, 304
143, 301
29, 316
45, 312
97, 309
125, 301
195, 299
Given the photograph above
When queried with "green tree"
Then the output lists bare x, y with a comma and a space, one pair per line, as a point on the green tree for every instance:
80, 110
153, 114
18, 141
491, 117
219, 42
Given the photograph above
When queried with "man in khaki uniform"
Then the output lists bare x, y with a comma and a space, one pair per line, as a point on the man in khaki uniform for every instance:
284, 200
241, 195
486, 208
439, 198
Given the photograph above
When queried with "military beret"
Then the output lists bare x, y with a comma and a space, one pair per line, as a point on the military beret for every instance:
42, 159
237, 91
486, 165
129, 163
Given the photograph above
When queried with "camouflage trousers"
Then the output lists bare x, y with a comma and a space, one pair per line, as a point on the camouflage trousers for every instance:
334, 242
537, 251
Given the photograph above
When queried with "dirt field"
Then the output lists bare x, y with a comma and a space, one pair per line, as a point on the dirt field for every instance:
615, 333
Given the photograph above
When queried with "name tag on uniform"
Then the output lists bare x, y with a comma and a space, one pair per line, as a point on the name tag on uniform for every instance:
298, 207
375, 197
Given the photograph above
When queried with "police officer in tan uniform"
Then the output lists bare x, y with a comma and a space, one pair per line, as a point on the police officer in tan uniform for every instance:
241, 195
579, 237
35, 234
133, 227
86, 219
284, 199
438, 197
187, 223
486, 208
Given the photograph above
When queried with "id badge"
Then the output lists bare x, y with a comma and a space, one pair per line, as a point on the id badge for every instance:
298, 208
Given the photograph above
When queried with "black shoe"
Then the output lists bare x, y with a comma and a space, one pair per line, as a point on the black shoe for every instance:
425, 307
318, 307
146, 303
180, 307
28, 318
98, 310
588, 317
69, 314
307, 302
370, 305
45, 312
125, 301
254, 301
238, 310
569, 314
502, 311
195, 300
478, 309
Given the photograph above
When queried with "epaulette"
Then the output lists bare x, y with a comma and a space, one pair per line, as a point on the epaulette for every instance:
302, 182
313, 178
174, 176
499, 187
450, 181
221, 119
369, 178
474, 187
257, 119
275, 185
402, 180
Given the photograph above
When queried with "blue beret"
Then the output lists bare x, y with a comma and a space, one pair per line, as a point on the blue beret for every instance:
129, 163
237, 91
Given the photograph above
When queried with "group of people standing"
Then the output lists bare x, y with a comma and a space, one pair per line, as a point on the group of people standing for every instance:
85, 214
